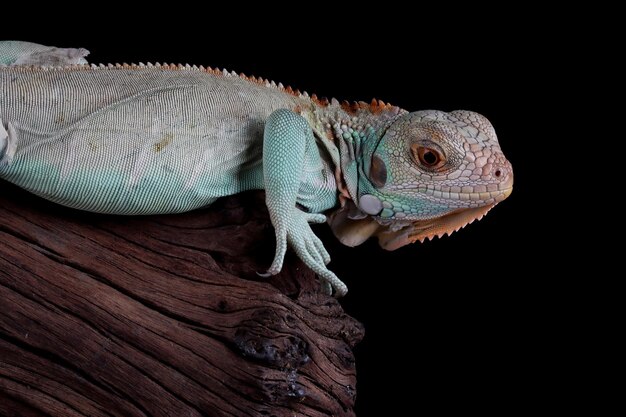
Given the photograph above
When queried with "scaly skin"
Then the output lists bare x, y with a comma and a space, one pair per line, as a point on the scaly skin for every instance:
27, 53
165, 139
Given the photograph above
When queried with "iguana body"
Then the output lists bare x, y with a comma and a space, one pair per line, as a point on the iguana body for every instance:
166, 139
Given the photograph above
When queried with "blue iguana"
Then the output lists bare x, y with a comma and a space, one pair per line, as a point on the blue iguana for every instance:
147, 139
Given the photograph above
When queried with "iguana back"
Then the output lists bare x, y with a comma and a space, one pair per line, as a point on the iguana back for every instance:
136, 140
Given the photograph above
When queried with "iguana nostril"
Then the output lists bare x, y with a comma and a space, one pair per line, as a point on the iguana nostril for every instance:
498, 173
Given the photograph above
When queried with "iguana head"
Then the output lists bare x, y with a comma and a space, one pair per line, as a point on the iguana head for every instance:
429, 174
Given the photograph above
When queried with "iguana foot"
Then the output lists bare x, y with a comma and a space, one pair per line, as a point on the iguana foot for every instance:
297, 232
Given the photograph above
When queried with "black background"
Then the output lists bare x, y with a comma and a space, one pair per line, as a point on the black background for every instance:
449, 323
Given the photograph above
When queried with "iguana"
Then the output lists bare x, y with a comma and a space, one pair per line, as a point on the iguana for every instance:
147, 139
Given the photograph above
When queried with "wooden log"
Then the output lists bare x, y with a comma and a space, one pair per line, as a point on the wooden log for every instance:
163, 316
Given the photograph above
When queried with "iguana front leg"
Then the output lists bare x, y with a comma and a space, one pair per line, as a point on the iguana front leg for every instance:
288, 147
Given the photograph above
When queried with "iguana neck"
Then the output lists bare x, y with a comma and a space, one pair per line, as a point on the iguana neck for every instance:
350, 133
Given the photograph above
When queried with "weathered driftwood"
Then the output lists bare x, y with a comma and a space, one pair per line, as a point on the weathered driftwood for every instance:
163, 316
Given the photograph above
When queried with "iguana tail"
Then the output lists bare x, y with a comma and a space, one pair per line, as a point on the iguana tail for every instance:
28, 53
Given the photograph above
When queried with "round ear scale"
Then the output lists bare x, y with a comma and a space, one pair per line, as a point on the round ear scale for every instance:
378, 172
370, 204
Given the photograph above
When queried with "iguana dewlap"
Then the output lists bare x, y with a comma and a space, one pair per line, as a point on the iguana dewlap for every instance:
147, 139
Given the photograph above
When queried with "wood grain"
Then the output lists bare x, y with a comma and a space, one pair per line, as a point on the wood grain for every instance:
163, 316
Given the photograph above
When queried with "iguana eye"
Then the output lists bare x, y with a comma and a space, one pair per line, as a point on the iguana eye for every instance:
430, 158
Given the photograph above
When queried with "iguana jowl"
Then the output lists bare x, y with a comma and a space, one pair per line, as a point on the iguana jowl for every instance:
147, 139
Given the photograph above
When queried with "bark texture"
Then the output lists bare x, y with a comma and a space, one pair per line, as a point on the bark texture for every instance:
163, 316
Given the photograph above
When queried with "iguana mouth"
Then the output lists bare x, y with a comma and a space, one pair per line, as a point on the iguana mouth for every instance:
438, 227
427, 229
